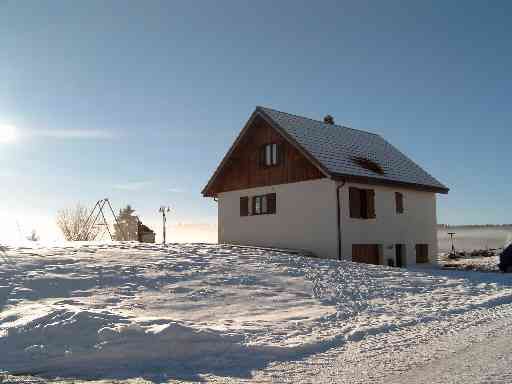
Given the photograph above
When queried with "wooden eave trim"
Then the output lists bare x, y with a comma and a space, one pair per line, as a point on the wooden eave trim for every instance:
377, 181
204, 192
274, 125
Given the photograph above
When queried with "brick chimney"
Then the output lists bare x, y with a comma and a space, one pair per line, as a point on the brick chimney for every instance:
328, 119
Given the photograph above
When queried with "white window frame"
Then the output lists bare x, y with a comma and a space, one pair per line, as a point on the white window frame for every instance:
271, 154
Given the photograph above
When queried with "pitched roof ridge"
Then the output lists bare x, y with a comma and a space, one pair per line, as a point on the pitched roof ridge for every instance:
259, 107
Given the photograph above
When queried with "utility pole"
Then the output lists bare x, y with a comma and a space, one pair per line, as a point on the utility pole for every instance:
451, 237
164, 210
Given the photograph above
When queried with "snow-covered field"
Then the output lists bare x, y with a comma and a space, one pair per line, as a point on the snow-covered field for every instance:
226, 313
468, 238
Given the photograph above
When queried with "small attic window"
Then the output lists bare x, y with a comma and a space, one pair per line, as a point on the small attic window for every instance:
368, 164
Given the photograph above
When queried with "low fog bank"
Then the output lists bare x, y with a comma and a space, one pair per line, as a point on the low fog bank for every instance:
191, 233
474, 237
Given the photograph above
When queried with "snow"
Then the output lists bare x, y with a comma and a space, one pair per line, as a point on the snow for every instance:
218, 312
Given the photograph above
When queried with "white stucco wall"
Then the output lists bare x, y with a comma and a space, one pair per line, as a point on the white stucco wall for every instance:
417, 225
305, 218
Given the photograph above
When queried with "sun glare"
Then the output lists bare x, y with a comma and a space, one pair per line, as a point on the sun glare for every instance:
7, 133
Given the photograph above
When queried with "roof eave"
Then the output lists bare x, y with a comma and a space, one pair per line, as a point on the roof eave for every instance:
379, 181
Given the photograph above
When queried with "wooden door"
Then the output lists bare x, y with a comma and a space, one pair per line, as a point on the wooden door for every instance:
365, 253
399, 255
422, 253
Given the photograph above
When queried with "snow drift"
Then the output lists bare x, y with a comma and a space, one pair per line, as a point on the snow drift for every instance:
128, 310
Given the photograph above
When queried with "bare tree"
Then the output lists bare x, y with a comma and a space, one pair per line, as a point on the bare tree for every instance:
74, 224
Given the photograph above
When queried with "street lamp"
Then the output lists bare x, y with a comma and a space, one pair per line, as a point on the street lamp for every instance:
164, 210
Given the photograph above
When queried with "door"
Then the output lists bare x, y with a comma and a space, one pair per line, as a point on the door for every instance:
365, 253
399, 255
422, 253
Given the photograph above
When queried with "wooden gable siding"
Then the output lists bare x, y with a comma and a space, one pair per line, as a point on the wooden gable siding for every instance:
242, 169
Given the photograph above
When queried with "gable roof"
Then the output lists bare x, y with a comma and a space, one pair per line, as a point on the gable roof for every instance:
337, 150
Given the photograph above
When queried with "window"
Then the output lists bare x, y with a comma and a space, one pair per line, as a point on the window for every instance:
368, 164
270, 155
422, 253
264, 204
362, 203
256, 204
244, 206
399, 202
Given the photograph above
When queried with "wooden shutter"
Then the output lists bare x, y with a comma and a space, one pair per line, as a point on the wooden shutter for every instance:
261, 156
355, 202
271, 203
363, 198
280, 154
399, 199
244, 206
370, 203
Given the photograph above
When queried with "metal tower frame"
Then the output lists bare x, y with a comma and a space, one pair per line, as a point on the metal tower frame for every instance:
89, 224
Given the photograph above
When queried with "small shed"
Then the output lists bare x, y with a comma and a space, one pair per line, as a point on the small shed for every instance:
145, 234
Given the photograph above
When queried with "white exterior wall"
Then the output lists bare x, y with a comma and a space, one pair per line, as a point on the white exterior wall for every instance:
417, 225
305, 218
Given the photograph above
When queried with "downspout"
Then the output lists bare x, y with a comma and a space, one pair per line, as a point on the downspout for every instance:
338, 215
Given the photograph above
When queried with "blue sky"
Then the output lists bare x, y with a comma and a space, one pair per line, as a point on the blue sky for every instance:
139, 101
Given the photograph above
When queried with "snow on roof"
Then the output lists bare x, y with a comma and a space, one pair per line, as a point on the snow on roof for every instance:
339, 151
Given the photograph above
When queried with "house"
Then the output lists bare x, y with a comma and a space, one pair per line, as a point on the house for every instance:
292, 182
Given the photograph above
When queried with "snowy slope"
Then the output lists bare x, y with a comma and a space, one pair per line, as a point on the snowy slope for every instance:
200, 310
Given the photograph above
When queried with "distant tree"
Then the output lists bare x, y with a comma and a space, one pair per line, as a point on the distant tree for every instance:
33, 236
128, 225
71, 222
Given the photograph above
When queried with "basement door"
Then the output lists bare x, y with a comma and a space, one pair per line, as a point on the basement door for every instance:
400, 255
365, 253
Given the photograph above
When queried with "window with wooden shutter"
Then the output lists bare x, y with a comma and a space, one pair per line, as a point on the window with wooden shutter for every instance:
399, 200
263, 204
271, 203
362, 203
270, 155
244, 206
355, 202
